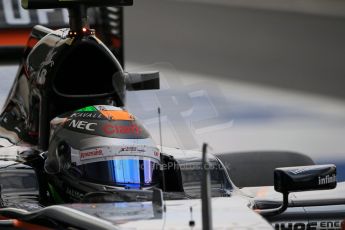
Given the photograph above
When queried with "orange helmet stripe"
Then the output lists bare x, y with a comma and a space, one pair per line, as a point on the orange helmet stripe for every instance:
117, 115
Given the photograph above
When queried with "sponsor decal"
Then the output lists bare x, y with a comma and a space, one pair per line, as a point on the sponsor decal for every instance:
132, 149
109, 152
92, 115
14, 15
138, 149
295, 226
83, 125
327, 179
91, 154
322, 225
110, 129
330, 225
298, 171
49, 61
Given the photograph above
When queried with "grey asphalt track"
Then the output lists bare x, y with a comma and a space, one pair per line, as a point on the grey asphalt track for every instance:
304, 52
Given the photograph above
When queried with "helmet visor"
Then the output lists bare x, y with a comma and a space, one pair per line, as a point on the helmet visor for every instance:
123, 171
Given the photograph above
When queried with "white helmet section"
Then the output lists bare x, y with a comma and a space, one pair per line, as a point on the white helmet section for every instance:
111, 149
115, 134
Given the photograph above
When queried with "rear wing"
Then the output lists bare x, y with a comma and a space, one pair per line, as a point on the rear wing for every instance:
16, 24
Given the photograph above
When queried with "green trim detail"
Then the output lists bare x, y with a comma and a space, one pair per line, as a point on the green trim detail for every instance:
56, 196
88, 109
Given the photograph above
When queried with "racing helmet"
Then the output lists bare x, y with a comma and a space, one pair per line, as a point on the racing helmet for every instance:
100, 147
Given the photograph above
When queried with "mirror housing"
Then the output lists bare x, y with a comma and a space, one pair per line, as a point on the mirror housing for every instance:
298, 179
142, 81
306, 178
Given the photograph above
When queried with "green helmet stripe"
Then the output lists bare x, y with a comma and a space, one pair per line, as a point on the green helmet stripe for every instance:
55, 195
88, 109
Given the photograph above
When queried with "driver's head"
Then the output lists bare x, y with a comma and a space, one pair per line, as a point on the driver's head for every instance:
101, 146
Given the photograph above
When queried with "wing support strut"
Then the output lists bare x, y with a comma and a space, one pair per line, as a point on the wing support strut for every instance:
206, 191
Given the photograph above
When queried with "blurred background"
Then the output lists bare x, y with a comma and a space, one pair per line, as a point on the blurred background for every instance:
239, 74
242, 74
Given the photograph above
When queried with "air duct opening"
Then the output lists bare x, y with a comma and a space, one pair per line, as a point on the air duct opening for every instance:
87, 70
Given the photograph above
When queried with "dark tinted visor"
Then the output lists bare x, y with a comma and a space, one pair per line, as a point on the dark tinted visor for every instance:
130, 172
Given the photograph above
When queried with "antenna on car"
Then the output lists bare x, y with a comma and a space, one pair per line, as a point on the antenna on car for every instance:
160, 129
191, 222
161, 144
206, 191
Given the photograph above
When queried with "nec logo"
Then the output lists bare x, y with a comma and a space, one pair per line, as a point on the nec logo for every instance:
83, 125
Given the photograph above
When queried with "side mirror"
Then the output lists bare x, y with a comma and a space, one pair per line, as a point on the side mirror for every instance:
298, 179
142, 81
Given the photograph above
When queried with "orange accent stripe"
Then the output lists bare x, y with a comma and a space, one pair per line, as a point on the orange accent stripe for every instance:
27, 226
117, 115
14, 37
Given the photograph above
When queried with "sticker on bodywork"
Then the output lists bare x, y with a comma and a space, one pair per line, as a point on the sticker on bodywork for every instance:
110, 152
313, 225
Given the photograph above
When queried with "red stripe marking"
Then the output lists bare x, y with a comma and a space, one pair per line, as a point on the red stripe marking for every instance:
14, 37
